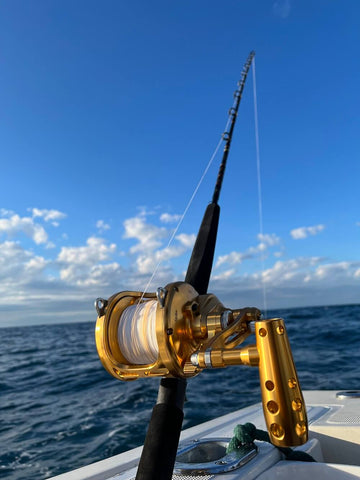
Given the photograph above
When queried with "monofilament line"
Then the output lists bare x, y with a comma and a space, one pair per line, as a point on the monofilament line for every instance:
183, 216
259, 186
228, 123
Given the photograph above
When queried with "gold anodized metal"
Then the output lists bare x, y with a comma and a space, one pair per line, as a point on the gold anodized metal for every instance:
187, 324
174, 333
106, 334
222, 348
283, 402
181, 329
205, 316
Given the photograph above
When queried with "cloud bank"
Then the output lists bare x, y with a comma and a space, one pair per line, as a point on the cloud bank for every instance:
38, 284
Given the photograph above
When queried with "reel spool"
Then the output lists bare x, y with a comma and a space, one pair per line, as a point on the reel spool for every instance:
177, 333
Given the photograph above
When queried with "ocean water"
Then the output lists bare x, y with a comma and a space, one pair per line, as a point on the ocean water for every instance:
59, 409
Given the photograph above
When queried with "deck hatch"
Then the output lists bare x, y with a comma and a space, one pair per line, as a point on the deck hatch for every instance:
208, 457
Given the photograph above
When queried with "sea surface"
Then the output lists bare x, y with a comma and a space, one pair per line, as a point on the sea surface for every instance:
59, 409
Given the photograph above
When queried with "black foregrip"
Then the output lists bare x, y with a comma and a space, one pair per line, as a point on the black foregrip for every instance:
162, 438
164, 431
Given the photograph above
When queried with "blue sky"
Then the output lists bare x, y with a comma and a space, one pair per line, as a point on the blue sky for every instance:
110, 112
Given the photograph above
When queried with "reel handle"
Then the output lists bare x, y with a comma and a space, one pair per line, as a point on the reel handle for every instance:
282, 399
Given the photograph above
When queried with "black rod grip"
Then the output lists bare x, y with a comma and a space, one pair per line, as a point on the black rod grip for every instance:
162, 438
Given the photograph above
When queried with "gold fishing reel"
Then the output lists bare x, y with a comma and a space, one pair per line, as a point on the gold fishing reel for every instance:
177, 333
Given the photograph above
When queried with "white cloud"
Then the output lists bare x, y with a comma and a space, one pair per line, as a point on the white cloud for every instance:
102, 226
283, 271
337, 271
302, 281
260, 247
311, 271
224, 275
269, 239
146, 263
95, 250
169, 218
15, 224
48, 215
92, 264
232, 258
149, 236
35, 265
4, 212
84, 265
187, 240
12, 259
235, 258
68, 281
304, 232
149, 250
35, 290
18, 267
80, 266
80, 273
83, 275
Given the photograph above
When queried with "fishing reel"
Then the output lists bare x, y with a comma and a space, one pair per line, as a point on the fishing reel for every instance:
178, 333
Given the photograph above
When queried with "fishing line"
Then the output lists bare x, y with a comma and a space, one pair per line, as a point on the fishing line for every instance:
183, 215
223, 138
259, 186
137, 328
137, 333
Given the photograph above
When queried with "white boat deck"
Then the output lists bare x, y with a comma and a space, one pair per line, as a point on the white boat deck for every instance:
334, 442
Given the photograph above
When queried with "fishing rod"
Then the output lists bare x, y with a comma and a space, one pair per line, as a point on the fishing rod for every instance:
162, 438
188, 330
201, 261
